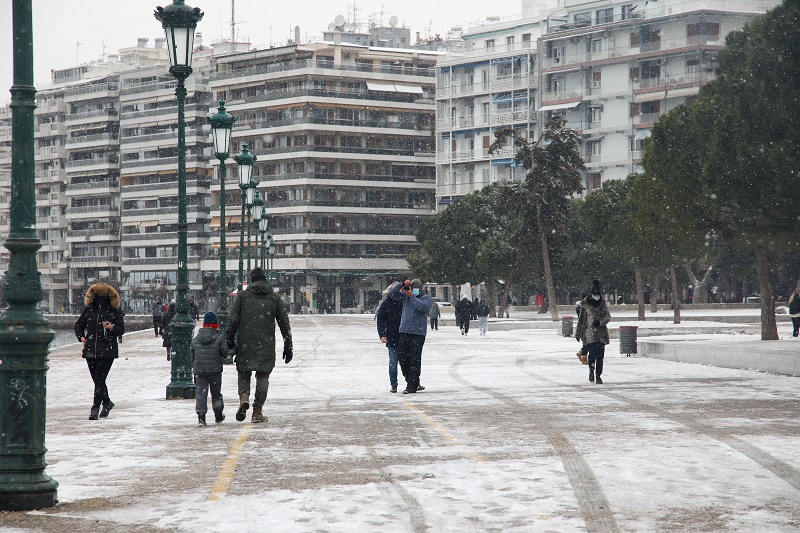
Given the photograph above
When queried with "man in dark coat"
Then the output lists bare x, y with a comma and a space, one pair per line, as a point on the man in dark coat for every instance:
100, 325
388, 317
413, 328
251, 327
464, 312
158, 313
208, 352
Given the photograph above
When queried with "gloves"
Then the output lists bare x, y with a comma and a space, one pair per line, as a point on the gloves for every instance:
578, 339
231, 345
288, 351
596, 324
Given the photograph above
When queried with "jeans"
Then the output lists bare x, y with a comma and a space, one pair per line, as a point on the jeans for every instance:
597, 351
202, 385
99, 369
409, 355
392, 365
262, 386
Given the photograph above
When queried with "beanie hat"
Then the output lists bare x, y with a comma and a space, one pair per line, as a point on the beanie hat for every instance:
596, 287
257, 275
415, 283
210, 320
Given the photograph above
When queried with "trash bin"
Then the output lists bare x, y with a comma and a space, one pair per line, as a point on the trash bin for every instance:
566, 326
627, 340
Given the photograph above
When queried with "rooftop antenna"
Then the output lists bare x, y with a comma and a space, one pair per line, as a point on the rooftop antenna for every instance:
77, 47
104, 50
233, 23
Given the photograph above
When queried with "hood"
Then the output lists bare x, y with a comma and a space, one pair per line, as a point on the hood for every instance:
103, 289
261, 287
208, 335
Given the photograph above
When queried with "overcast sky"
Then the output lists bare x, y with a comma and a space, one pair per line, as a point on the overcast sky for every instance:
58, 25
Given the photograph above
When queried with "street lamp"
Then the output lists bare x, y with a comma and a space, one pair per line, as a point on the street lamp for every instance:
221, 127
179, 22
245, 161
250, 201
68, 259
258, 209
271, 265
24, 333
263, 226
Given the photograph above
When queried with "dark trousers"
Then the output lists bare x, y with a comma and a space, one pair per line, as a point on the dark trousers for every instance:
465, 326
597, 351
434, 323
409, 355
202, 385
262, 386
795, 326
99, 369
156, 324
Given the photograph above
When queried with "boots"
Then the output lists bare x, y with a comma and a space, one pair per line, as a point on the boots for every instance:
108, 405
94, 412
201, 419
244, 405
257, 416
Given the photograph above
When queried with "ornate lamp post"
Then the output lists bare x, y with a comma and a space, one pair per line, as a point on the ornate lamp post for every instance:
258, 209
250, 201
263, 226
245, 161
68, 259
24, 333
179, 22
272, 274
221, 126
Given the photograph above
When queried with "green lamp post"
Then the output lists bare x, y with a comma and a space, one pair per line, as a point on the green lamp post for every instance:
68, 259
179, 22
24, 333
245, 161
250, 201
272, 274
221, 127
263, 226
258, 209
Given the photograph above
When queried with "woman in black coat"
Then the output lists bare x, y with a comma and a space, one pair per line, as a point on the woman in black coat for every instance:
166, 328
99, 327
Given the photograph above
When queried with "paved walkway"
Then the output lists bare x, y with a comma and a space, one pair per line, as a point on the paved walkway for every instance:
509, 437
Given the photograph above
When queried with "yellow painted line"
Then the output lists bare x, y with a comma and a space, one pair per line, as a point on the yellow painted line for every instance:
444, 432
225, 476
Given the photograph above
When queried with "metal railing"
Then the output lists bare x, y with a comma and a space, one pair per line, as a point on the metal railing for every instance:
322, 64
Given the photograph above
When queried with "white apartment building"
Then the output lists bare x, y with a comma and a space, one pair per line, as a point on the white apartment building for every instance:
610, 68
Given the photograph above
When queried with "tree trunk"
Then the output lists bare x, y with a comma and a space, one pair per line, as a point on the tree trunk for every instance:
639, 291
548, 274
490, 297
698, 287
676, 298
654, 293
769, 326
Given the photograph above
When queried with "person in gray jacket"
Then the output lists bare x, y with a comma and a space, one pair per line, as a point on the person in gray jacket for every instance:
251, 329
208, 350
592, 330
413, 328
434, 313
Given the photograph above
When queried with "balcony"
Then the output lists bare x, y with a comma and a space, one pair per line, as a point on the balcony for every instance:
161, 161
93, 116
689, 79
92, 211
646, 118
93, 259
509, 117
278, 68
52, 129
50, 152
93, 163
561, 94
93, 91
93, 187
87, 141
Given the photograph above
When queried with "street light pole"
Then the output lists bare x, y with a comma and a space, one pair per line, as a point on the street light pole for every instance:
263, 226
258, 210
245, 162
221, 127
179, 22
271, 265
24, 333
251, 193
68, 259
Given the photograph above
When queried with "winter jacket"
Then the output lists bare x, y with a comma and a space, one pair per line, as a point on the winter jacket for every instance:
794, 305
389, 315
414, 319
208, 351
482, 309
102, 304
251, 326
593, 311
434, 311
158, 311
463, 310
166, 326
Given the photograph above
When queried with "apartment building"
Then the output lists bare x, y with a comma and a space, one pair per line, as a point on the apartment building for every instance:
343, 134
488, 84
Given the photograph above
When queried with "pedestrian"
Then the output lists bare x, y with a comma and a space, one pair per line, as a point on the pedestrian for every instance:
388, 317
434, 314
464, 312
794, 311
166, 329
592, 330
251, 329
194, 312
413, 328
584, 351
482, 312
208, 350
158, 313
100, 324
473, 310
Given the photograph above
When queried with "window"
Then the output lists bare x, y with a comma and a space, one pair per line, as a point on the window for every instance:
150, 251
593, 182
595, 148
635, 144
692, 66
702, 28
604, 16
636, 73
651, 107
627, 11
583, 19
489, 44
596, 78
510, 40
595, 114
597, 46
636, 39
150, 204
526, 40
486, 113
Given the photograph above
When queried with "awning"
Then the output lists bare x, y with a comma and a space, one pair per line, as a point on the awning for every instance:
383, 87
648, 97
124, 224
148, 224
230, 218
410, 89
686, 91
553, 107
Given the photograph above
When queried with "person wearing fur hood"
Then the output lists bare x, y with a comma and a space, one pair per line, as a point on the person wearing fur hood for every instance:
99, 328
592, 330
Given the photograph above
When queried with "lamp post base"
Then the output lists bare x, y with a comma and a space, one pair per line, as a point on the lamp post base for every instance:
34, 496
180, 391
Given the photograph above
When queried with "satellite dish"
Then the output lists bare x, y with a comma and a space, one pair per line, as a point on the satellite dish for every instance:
331, 26
339, 20
349, 27
393, 21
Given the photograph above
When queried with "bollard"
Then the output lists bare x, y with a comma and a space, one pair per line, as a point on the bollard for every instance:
627, 340
566, 326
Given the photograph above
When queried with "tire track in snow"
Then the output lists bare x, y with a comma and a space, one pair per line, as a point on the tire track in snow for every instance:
783, 470
594, 506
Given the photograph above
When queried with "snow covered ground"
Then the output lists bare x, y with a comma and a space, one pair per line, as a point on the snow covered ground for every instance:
509, 436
